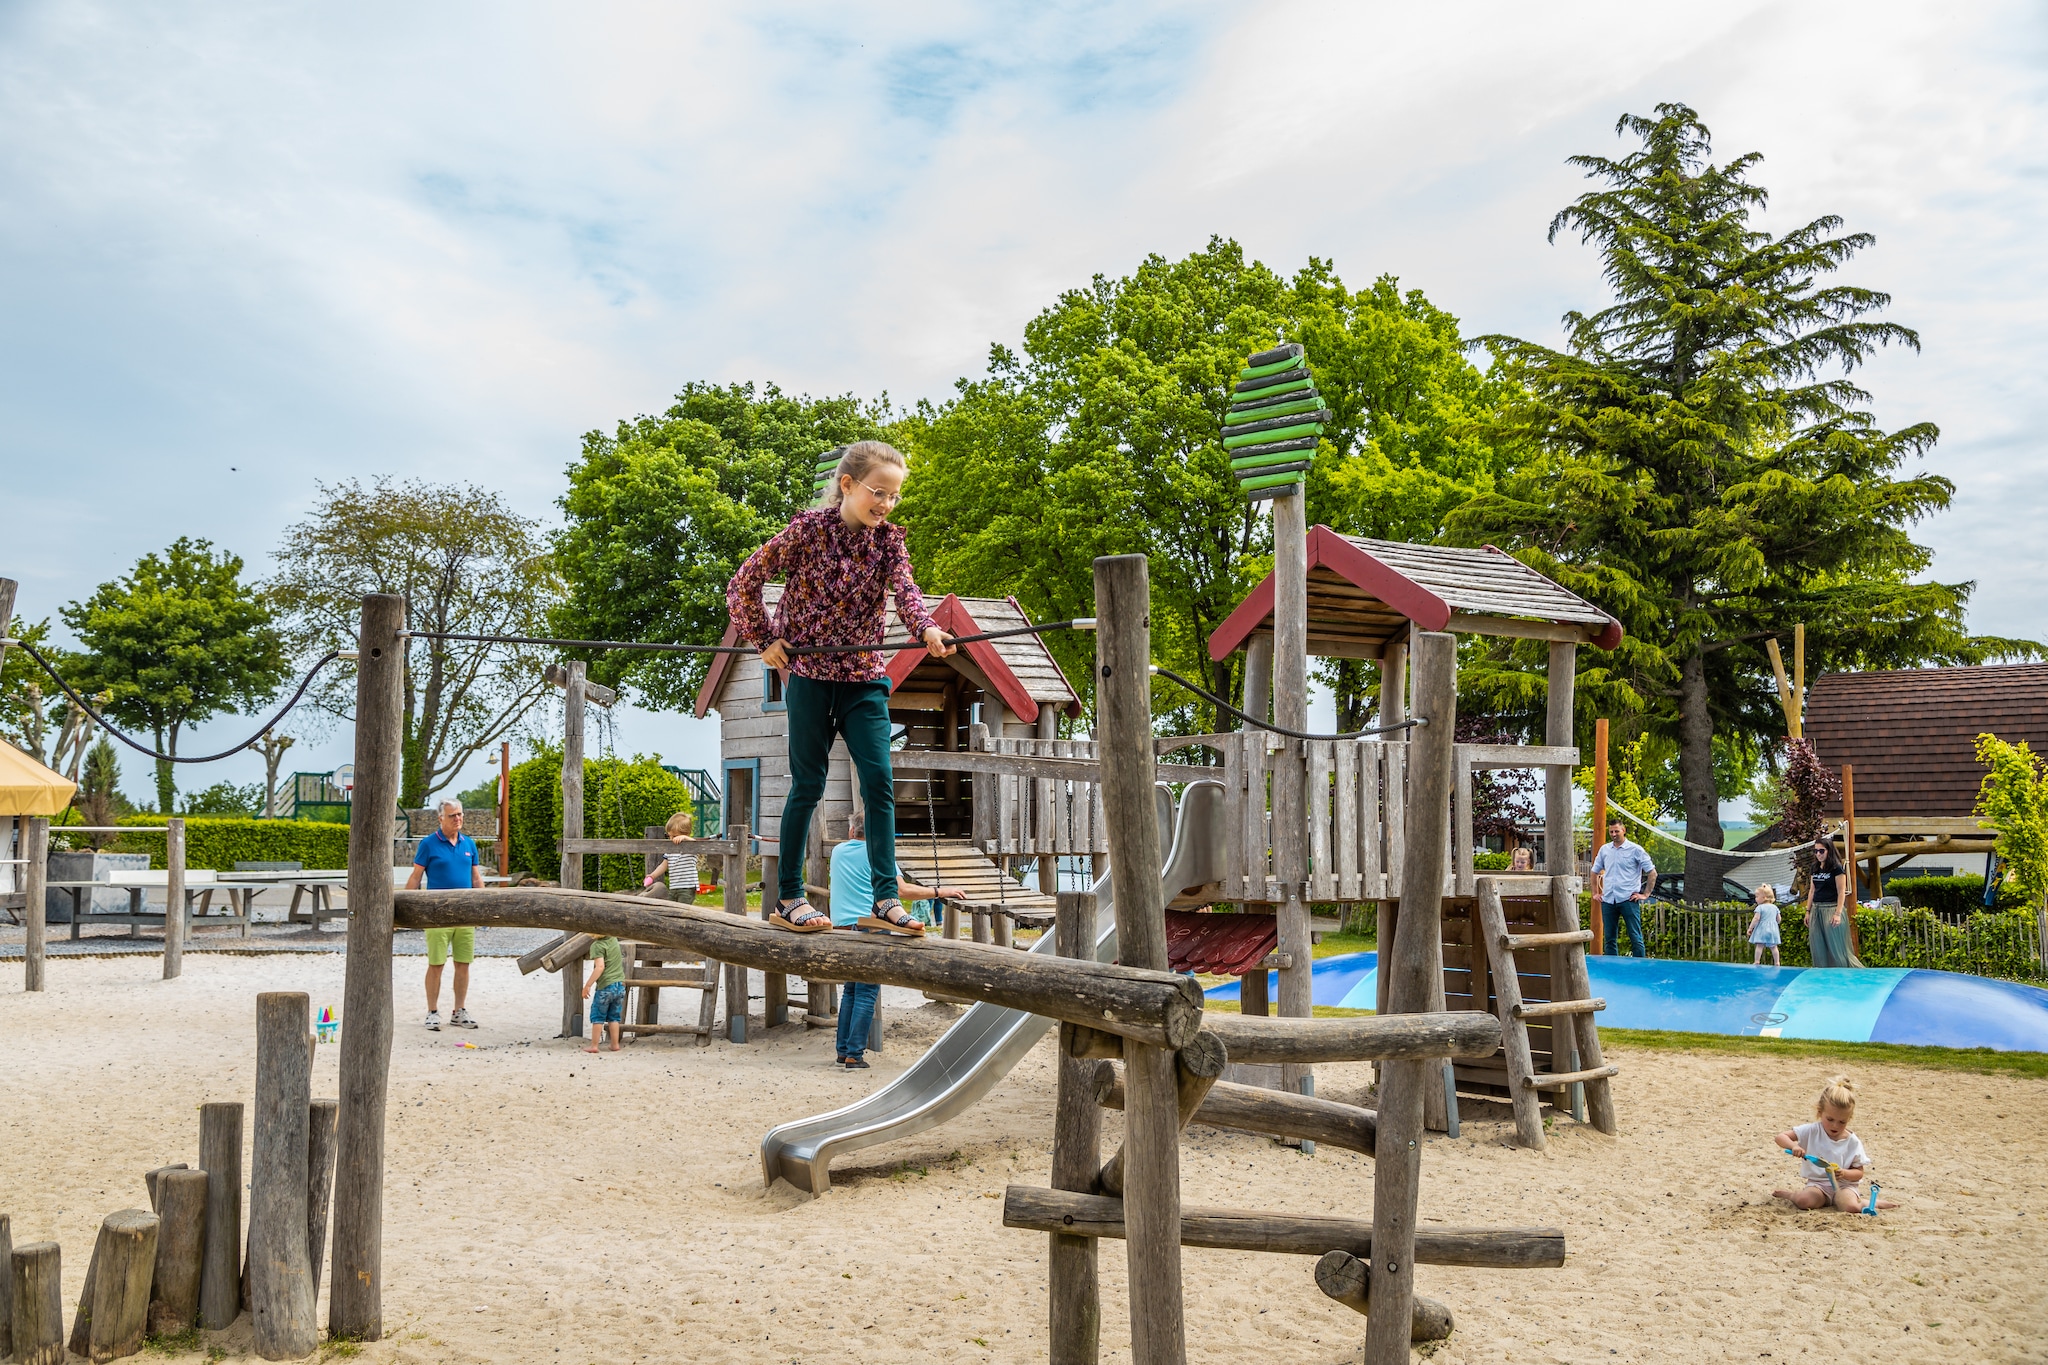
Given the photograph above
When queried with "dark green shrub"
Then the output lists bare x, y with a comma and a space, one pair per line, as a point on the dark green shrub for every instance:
1949, 895
221, 842
537, 814
620, 800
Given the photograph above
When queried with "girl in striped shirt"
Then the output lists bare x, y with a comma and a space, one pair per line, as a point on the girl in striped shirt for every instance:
837, 563
682, 867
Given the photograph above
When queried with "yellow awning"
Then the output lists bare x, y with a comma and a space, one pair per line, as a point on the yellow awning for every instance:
28, 788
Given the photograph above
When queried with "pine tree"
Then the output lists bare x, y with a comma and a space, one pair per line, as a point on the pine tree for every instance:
1710, 474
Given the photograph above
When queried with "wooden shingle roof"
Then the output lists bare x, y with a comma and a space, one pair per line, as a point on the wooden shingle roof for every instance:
1364, 593
1911, 733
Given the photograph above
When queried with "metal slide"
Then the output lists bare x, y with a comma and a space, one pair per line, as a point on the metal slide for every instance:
979, 1050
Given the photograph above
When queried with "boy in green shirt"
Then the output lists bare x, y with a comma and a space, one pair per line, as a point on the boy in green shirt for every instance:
608, 978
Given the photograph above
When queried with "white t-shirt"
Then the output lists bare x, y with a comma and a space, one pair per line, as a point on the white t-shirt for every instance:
1847, 1153
682, 872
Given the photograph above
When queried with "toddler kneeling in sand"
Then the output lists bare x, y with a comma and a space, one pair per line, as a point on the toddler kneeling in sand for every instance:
1834, 1156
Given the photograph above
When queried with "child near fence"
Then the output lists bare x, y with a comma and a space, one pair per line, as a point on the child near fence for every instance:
838, 563
1763, 926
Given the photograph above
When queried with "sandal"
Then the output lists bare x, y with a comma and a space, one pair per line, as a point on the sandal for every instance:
799, 917
891, 917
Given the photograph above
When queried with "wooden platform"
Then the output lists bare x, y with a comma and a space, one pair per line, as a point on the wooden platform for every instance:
956, 862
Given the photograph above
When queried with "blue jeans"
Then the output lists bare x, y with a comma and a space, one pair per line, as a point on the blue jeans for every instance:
1629, 913
856, 1016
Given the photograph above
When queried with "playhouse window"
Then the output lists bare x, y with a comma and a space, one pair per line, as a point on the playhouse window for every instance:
771, 691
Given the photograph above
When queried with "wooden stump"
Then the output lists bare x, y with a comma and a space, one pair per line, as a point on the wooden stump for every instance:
113, 1312
151, 1179
320, 1120
1076, 1291
281, 1304
1343, 1277
6, 1286
180, 1201
35, 1274
220, 1156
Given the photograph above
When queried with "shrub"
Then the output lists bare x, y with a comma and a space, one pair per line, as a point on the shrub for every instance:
536, 813
620, 800
221, 842
1949, 895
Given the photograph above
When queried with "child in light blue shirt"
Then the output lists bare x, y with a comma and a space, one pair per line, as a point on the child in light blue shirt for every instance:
853, 900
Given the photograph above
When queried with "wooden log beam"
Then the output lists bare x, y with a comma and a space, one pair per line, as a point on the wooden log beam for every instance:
175, 928
1196, 1068
573, 948
1256, 1109
220, 1156
530, 960
1034, 1209
703, 848
281, 1304
356, 1294
1343, 1278
180, 1201
1386, 1037
1161, 1008
1025, 765
35, 1275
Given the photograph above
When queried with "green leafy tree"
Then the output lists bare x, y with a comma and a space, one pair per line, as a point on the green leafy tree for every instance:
1102, 437
662, 512
227, 798
1708, 472
180, 639
2013, 799
465, 563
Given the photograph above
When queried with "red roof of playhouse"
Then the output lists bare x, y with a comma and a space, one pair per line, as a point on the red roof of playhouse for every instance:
1020, 670
1363, 593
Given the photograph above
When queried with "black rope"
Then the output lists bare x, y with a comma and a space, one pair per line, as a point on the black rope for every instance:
144, 749
1079, 623
1229, 710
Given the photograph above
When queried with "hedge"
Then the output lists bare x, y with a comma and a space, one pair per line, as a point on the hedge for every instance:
221, 842
1949, 895
620, 800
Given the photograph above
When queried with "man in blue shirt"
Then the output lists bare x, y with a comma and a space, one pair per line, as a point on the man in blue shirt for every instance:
448, 860
853, 898
1623, 876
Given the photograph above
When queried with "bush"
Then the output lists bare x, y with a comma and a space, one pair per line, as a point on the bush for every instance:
221, 842
1491, 862
225, 798
1949, 895
620, 800
537, 813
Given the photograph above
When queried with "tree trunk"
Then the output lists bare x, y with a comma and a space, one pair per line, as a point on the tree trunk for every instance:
1696, 780
1354, 693
166, 782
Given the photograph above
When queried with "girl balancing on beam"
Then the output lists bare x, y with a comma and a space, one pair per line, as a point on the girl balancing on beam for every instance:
836, 563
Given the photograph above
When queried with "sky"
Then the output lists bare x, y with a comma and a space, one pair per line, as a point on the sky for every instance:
245, 249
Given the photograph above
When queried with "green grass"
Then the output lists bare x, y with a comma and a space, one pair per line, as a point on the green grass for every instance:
1980, 1061
1336, 944
1320, 1011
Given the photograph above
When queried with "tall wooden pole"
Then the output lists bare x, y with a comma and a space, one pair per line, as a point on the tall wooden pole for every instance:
1599, 835
505, 809
281, 1300
1558, 729
1076, 1291
1258, 677
35, 851
1393, 710
1290, 767
1799, 681
1152, 1115
572, 828
1397, 1164
174, 897
1849, 857
356, 1297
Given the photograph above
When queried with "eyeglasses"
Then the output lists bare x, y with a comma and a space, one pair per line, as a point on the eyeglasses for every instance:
886, 499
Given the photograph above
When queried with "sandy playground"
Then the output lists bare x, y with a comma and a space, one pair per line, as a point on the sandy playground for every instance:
549, 1206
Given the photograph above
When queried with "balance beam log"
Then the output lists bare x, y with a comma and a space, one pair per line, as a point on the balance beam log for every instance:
35, 1274
530, 960
1255, 1109
1385, 1037
1196, 1068
180, 1250
1033, 1209
572, 948
1342, 1276
1158, 1008
113, 1313
220, 1156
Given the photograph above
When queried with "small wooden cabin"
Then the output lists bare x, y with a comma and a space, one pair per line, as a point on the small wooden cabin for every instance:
1012, 686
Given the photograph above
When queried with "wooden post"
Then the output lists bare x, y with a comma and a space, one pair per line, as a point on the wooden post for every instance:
735, 889
771, 876
1393, 709
1152, 1128
1849, 857
6, 1286
1258, 676
356, 1298
1799, 681
1076, 1292
1560, 844
1290, 768
1599, 832
174, 897
220, 1156
35, 851
114, 1314
320, 1119
35, 1273
1397, 1166
571, 875
1048, 863
281, 1306
180, 1201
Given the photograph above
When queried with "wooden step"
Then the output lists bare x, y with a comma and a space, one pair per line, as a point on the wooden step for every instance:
1563, 1079
660, 977
1515, 943
649, 1029
1555, 1007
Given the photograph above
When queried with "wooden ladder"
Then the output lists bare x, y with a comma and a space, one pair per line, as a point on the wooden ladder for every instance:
1570, 1013
650, 970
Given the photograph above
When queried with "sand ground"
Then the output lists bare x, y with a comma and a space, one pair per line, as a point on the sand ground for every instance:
545, 1205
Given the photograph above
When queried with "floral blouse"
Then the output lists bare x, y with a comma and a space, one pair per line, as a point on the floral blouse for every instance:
836, 577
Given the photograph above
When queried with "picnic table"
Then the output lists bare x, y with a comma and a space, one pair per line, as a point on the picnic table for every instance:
200, 885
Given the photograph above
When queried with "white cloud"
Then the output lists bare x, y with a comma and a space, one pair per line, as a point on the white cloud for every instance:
447, 240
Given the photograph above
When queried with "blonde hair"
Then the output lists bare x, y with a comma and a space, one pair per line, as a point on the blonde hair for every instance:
858, 462
1766, 894
682, 822
1836, 1094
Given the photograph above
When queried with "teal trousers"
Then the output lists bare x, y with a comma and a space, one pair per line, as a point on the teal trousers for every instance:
820, 712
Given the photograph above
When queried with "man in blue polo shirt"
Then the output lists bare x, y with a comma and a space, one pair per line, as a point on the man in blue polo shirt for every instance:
448, 860
1623, 876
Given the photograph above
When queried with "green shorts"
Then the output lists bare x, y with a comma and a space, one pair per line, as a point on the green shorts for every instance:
438, 941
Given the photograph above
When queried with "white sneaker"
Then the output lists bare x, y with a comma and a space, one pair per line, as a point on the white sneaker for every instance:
461, 1019
433, 1021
